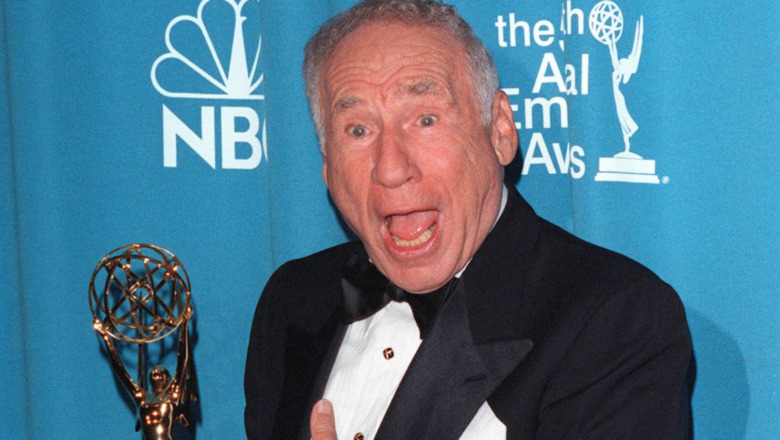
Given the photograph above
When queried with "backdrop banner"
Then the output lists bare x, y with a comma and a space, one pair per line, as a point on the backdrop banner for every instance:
647, 127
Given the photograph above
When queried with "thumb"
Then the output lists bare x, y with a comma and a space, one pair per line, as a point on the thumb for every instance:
322, 422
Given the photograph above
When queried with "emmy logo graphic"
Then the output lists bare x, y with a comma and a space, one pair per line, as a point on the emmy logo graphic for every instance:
606, 25
196, 33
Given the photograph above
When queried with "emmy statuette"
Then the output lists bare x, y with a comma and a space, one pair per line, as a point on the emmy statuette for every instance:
139, 295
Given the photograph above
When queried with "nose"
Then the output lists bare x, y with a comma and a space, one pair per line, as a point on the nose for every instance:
394, 163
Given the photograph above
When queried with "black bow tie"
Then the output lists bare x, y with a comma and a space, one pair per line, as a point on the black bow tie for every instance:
366, 291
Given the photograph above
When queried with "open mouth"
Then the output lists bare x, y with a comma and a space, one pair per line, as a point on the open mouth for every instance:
413, 229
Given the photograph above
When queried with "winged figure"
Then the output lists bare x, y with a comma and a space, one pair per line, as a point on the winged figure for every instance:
623, 69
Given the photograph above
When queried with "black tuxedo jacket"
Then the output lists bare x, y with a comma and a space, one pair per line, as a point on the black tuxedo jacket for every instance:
563, 339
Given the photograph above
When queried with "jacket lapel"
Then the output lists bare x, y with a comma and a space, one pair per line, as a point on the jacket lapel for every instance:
321, 378
449, 378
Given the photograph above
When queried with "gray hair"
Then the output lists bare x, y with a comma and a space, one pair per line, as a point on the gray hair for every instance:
432, 13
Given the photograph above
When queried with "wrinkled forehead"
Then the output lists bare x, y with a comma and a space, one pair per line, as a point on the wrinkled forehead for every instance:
399, 58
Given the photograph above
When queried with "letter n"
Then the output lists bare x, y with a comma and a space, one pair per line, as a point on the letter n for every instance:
174, 128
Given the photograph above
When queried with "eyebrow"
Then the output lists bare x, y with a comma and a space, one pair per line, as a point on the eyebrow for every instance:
421, 88
424, 87
346, 103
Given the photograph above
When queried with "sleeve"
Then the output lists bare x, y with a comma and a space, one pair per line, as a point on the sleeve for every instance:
626, 374
264, 373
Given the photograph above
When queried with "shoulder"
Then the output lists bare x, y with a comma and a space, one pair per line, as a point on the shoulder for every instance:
546, 279
562, 255
312, 272
303, 288
593, 290
585, 272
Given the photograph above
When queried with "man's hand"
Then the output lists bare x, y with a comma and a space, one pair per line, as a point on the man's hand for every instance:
322, 423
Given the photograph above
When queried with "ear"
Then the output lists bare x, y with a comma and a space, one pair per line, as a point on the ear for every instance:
503, 134
325, 170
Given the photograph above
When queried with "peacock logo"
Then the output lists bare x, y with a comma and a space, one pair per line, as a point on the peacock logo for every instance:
208, 60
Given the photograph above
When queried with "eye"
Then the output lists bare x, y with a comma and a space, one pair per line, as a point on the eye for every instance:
357, 131
426, 121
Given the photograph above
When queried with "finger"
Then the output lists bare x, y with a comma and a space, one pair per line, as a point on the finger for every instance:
322, 422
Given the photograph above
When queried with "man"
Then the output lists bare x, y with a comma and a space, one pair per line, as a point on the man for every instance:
509, 328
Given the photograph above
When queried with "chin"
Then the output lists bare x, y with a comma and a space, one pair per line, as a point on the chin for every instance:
418, 280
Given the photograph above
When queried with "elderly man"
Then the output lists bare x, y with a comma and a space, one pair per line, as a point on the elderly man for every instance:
494, 323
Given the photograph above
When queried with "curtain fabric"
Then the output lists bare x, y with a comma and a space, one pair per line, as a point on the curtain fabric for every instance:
649, 128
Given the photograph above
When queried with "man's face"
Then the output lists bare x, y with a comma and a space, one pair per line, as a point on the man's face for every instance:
408, 162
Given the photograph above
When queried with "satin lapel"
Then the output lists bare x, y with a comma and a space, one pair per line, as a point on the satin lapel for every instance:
449, 378
321, 379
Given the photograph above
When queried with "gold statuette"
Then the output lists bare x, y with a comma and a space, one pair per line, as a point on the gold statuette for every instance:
139, 295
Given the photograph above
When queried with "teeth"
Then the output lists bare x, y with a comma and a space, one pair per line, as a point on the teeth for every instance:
422, 238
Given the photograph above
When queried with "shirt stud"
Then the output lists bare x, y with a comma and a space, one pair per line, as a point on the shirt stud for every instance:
359, 436
388, 353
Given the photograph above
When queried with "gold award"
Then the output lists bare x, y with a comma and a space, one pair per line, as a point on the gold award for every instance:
139, 295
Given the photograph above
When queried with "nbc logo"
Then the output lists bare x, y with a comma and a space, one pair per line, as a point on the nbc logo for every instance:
210, 56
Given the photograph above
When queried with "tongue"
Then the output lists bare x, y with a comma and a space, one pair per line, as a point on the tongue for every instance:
410, 226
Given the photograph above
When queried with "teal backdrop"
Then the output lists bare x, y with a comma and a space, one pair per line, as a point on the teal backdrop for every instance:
179, 123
